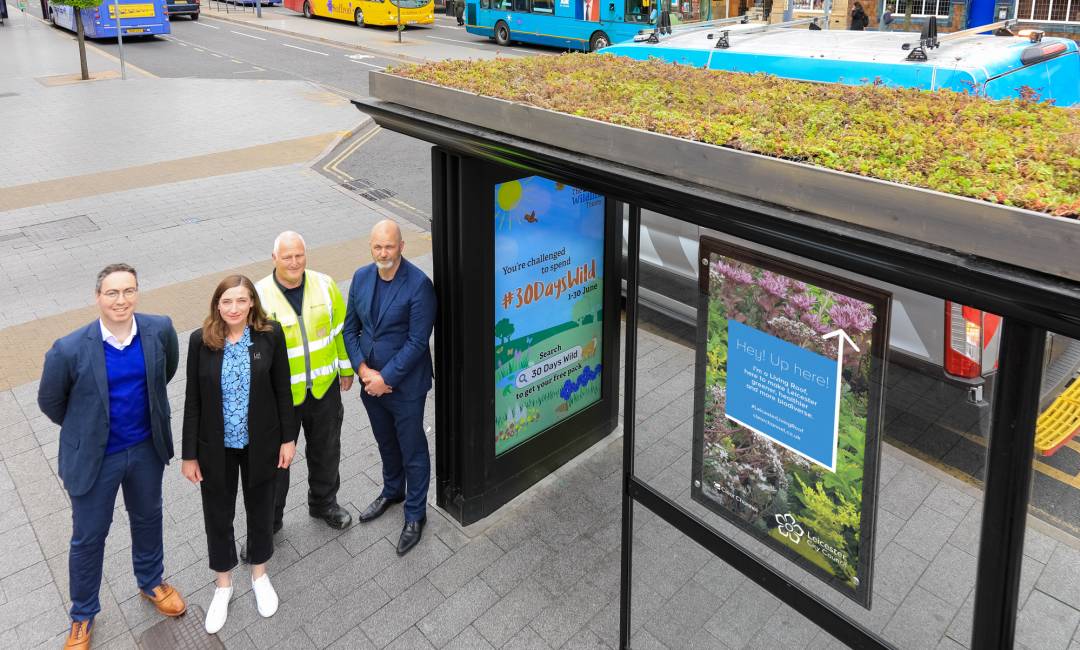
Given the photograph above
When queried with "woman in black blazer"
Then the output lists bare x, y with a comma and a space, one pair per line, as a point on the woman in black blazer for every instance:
237, 422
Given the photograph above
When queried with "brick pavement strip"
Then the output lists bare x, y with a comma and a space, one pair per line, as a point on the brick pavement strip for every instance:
261, 156
25, 345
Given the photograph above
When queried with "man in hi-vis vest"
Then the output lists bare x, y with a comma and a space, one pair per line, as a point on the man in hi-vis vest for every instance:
311, 311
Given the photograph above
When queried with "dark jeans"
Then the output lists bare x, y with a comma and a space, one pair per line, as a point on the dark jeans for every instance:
137, 470
321, 419
219, 509
398, 425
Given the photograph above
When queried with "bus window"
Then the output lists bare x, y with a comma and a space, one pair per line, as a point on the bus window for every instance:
637, 11
485, 4
521, 5
543, 6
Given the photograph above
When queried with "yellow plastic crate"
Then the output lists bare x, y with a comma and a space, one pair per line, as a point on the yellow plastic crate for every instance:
1060, 422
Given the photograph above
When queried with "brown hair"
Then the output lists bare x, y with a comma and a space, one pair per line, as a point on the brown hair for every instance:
115, 268
214, 327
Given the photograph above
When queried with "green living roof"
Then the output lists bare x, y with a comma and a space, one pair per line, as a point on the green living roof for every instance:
1021, 153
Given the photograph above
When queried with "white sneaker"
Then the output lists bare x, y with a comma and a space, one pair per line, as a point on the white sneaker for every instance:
265, 597
219, 610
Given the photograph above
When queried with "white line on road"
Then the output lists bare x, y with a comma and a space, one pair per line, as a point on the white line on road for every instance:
297, 47
248, 35
455, 40
203, 24
218, 56
370, 65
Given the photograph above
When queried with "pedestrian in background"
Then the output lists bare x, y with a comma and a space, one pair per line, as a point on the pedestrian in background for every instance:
459, 11
886, 20
104, 384
238, 423
859, 20
389, 320
311, 311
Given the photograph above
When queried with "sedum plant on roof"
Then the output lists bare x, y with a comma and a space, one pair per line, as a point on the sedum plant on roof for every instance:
1021, 152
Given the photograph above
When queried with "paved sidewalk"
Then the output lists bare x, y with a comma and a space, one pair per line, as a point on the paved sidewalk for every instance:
541, 573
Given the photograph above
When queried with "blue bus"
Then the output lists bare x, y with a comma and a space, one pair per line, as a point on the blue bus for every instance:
137, 18
570, 24
1004, 65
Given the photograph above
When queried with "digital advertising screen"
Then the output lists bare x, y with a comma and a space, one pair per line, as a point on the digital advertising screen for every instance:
549, 296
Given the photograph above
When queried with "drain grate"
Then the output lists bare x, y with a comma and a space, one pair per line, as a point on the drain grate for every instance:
182, 633
367, 189
59, 229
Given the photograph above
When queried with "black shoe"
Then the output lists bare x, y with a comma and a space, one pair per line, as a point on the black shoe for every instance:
335, 516
377, 507
243, 545
410, 536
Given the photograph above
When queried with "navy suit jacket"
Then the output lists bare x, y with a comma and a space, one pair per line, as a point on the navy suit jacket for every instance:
74, 393
394, 341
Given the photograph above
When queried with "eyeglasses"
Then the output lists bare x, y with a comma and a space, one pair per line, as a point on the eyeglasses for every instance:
114, 294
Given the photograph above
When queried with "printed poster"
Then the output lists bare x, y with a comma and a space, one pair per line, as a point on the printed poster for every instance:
790, 374
549, 296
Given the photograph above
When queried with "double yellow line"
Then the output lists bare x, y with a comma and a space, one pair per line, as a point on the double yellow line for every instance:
332, 166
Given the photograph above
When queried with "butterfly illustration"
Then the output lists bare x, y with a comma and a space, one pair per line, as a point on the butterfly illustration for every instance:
531, 216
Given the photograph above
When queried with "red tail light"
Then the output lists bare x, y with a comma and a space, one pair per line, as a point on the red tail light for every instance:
970, 340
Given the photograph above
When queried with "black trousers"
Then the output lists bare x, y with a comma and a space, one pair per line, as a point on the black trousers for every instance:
321, 420
219, 509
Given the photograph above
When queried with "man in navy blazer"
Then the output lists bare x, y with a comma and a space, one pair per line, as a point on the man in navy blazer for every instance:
388, 321
104, 384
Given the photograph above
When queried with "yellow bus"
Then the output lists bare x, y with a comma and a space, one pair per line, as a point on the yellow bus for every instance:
368, 12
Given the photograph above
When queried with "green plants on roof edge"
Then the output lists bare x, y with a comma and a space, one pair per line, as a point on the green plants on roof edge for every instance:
1022, 153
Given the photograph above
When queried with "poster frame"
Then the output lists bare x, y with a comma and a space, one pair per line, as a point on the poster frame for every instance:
472, 482
881, 301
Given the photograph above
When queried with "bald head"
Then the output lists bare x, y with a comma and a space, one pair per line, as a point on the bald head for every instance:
290, 258
386, 228
386, 247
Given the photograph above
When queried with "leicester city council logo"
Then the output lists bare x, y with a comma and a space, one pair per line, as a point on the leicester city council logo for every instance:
788, 528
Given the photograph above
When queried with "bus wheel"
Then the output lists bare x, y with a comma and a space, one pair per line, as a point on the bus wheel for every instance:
502, 33
195, 16
307, 10
598, 40
359, 18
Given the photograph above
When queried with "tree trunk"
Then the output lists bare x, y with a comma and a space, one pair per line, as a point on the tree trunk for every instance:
82, 43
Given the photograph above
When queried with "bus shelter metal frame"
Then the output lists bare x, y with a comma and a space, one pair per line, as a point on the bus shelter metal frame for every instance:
1031, 302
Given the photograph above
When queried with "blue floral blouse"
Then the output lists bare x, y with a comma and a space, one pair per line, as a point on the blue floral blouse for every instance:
236, 390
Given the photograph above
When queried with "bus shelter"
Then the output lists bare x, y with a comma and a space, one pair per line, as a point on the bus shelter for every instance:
533, 213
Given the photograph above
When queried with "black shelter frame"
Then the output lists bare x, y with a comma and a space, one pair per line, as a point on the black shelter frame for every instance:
1031, 303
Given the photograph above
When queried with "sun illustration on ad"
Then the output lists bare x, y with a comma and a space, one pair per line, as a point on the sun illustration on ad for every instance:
509, 195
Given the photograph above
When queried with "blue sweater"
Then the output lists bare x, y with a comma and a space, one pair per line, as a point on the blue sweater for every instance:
129, 403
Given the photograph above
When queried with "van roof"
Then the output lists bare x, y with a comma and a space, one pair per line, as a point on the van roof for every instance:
785, 52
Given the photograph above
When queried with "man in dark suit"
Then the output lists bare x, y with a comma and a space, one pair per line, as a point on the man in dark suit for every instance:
388, 321
104, 384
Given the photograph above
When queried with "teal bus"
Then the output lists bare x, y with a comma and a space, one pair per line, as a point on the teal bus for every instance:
137, 18
566, 24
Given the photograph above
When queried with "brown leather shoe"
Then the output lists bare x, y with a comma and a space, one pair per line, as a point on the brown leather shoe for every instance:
168, 601
79, 637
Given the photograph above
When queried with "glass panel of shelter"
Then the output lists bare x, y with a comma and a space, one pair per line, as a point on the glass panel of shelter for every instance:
896, 555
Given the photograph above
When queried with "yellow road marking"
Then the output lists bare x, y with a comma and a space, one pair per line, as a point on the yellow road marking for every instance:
332, 166
1038, 465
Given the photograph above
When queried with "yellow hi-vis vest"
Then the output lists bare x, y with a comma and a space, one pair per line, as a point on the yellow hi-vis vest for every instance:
314, 342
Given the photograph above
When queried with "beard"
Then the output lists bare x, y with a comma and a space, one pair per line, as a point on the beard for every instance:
389, 264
